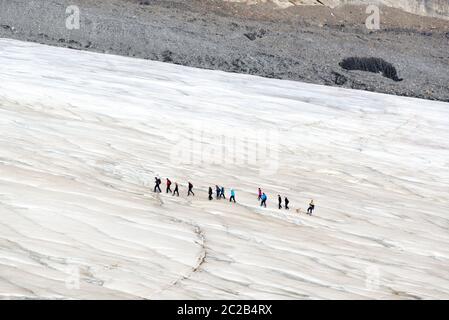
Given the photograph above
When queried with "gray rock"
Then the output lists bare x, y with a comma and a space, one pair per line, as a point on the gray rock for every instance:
189, 33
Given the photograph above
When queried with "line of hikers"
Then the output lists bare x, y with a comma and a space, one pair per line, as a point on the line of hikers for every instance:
158, 182
220, 193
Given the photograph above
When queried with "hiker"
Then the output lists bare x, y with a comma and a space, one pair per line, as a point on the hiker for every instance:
190, 189
222, 195
168, 185
176, 190
280, 201
260, 194
232, 196
218, 191
157, 182
264, 198
311, 207
210, 193
286, 203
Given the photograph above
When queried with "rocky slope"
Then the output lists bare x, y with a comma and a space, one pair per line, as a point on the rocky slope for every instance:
430, 8
304, 43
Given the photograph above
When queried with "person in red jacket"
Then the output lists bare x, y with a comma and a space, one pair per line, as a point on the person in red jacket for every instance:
260, 194
168, 185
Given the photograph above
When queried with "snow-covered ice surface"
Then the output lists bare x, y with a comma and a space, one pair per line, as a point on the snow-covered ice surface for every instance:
84, 134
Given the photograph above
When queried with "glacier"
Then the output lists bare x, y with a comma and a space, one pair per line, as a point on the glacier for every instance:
84, 134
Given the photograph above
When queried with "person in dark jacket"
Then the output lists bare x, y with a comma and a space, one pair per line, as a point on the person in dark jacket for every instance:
176, 190
218, 191
157, 183
311, 208
280, 201
190, 189
286, 202
210, 193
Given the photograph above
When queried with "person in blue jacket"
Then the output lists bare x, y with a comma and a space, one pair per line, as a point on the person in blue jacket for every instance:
263, 200
232, 198
222, 195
